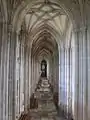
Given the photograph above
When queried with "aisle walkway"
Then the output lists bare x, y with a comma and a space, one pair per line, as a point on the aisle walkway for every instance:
46, 109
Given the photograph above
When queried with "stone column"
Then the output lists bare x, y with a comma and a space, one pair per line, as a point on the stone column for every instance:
67, 78
34, 80
80, 81
57, 71
51, 69
30, 68
22, 78
19, 93
17, 86
11, 75
31, 73
85, 74
76, 86
72, 73
88, 72
21, 73
9, 79
59, 78
4, 63
70, 82
1, 29
26, 79
37, 72
65, 85
62, 76
1, 73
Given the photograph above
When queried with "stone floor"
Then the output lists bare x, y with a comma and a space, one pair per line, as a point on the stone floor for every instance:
46, 109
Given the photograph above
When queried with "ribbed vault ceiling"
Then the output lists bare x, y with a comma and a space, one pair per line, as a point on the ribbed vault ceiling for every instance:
42, 21
47, 12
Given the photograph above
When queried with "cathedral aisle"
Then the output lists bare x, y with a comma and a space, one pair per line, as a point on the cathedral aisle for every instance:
44, 107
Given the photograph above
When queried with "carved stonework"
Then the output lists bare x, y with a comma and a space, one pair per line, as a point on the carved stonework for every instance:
10, 28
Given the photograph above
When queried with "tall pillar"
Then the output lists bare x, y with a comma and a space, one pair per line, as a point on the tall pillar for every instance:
62, 77
11, 75
88, 72
4, 64
70, 82
72, 73
85, 74
75, 34
67, 81
68, 78
22, 78
65, 85
26, 79
20, 73
17, 86
81, 79
30, 73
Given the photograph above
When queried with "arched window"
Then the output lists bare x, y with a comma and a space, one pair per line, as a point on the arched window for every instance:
43, 68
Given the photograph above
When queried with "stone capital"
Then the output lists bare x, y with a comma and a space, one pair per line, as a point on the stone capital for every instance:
80, 29
65, 48
9, 26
